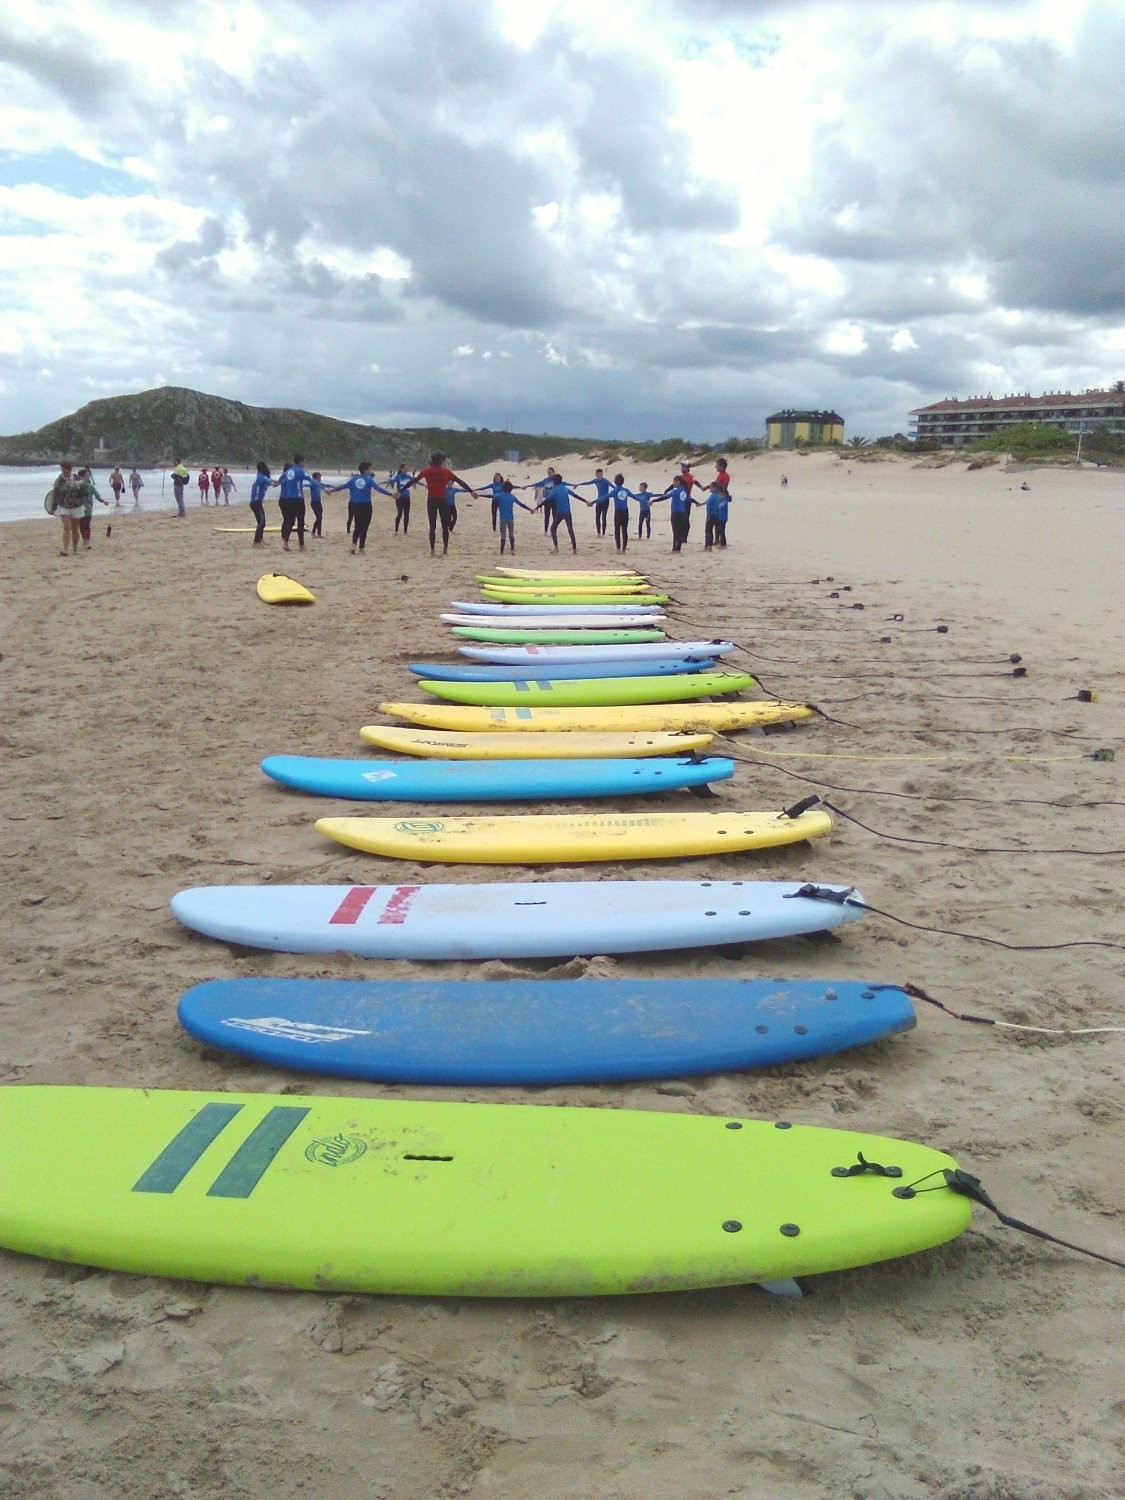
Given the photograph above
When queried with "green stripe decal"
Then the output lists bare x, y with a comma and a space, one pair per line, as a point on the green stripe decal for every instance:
252, 1160
184, 1150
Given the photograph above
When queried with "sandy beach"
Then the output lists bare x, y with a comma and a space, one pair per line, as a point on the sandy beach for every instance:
143, 683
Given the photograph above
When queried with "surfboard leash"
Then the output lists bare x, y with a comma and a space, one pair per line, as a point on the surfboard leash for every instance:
847, 898
901, 838
917, 993
957, 1180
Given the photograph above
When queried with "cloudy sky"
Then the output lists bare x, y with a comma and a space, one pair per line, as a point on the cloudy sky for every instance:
606, 218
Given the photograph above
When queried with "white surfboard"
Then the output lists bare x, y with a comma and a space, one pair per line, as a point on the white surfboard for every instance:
669, 650
509, 919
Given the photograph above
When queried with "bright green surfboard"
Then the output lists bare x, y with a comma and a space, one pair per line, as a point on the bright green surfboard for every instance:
397, 1196
582, 692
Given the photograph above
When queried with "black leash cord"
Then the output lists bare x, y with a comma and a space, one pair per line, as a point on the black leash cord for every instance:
917, 993
900, 838
969, 1187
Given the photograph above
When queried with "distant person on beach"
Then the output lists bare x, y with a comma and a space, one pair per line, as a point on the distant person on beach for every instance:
88, 506
400, 484
216, 482
785, 480
437, 478
291, 499
180, 477
136, 484
262, 483
70, 501
205, 487
715, 527
316, 485
117, 484
558, 496
644, 499
228, 485
360, 487
504, 503
603, 490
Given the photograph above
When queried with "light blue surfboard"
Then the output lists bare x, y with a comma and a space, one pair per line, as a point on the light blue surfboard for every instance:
440, 671
538, 1031
492, 780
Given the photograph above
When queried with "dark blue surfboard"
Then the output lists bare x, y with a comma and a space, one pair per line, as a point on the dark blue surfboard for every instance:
442, 671
539, 1031
492, 780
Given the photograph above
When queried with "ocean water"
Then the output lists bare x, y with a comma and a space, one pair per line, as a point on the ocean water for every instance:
22, 491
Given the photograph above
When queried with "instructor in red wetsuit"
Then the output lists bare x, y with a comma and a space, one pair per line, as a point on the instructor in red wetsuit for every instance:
436, 477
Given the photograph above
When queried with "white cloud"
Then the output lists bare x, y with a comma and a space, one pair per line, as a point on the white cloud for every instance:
657, 216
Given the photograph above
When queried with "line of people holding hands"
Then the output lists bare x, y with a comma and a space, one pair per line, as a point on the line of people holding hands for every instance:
443, 485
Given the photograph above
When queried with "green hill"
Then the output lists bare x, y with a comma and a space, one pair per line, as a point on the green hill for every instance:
160, 426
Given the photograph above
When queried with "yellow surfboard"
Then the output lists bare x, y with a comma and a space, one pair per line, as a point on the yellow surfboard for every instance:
276, 588
448, 745
719, 718
573, 838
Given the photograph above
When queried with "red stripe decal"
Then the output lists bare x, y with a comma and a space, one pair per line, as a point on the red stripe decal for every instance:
397, 908
351, 907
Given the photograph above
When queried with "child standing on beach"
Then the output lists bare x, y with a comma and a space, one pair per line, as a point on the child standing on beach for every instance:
262, 482
400, 485
715, 527
504, 503
558, 496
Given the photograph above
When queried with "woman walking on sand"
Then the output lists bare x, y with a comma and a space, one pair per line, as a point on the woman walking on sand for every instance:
88, 506
69, 495
136, 484
228, 485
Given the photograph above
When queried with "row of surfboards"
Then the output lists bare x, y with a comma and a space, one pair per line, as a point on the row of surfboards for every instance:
501, 1200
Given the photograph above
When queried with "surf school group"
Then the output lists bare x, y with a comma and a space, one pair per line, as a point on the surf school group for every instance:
301, 490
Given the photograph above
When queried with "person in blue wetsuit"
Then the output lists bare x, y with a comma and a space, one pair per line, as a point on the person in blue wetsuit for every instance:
291, 499
541, 486
504, 503
679, 506
602, 500
451, 491
493, 491
360, 487
644, 499
262, 483
400, 482
316, 484
620, 498
717, 506
558, 496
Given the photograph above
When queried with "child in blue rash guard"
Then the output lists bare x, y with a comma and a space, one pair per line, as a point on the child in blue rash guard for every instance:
451, 491
360, 488
315, 487
291, 498
644, 499
601, 503
504, 503
620, 497
541, 486
558, 496
715, 528
494, 491
399, 482
680, 500
262, 483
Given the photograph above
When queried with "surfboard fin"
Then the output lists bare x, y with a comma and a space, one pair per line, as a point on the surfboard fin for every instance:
788, 1287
